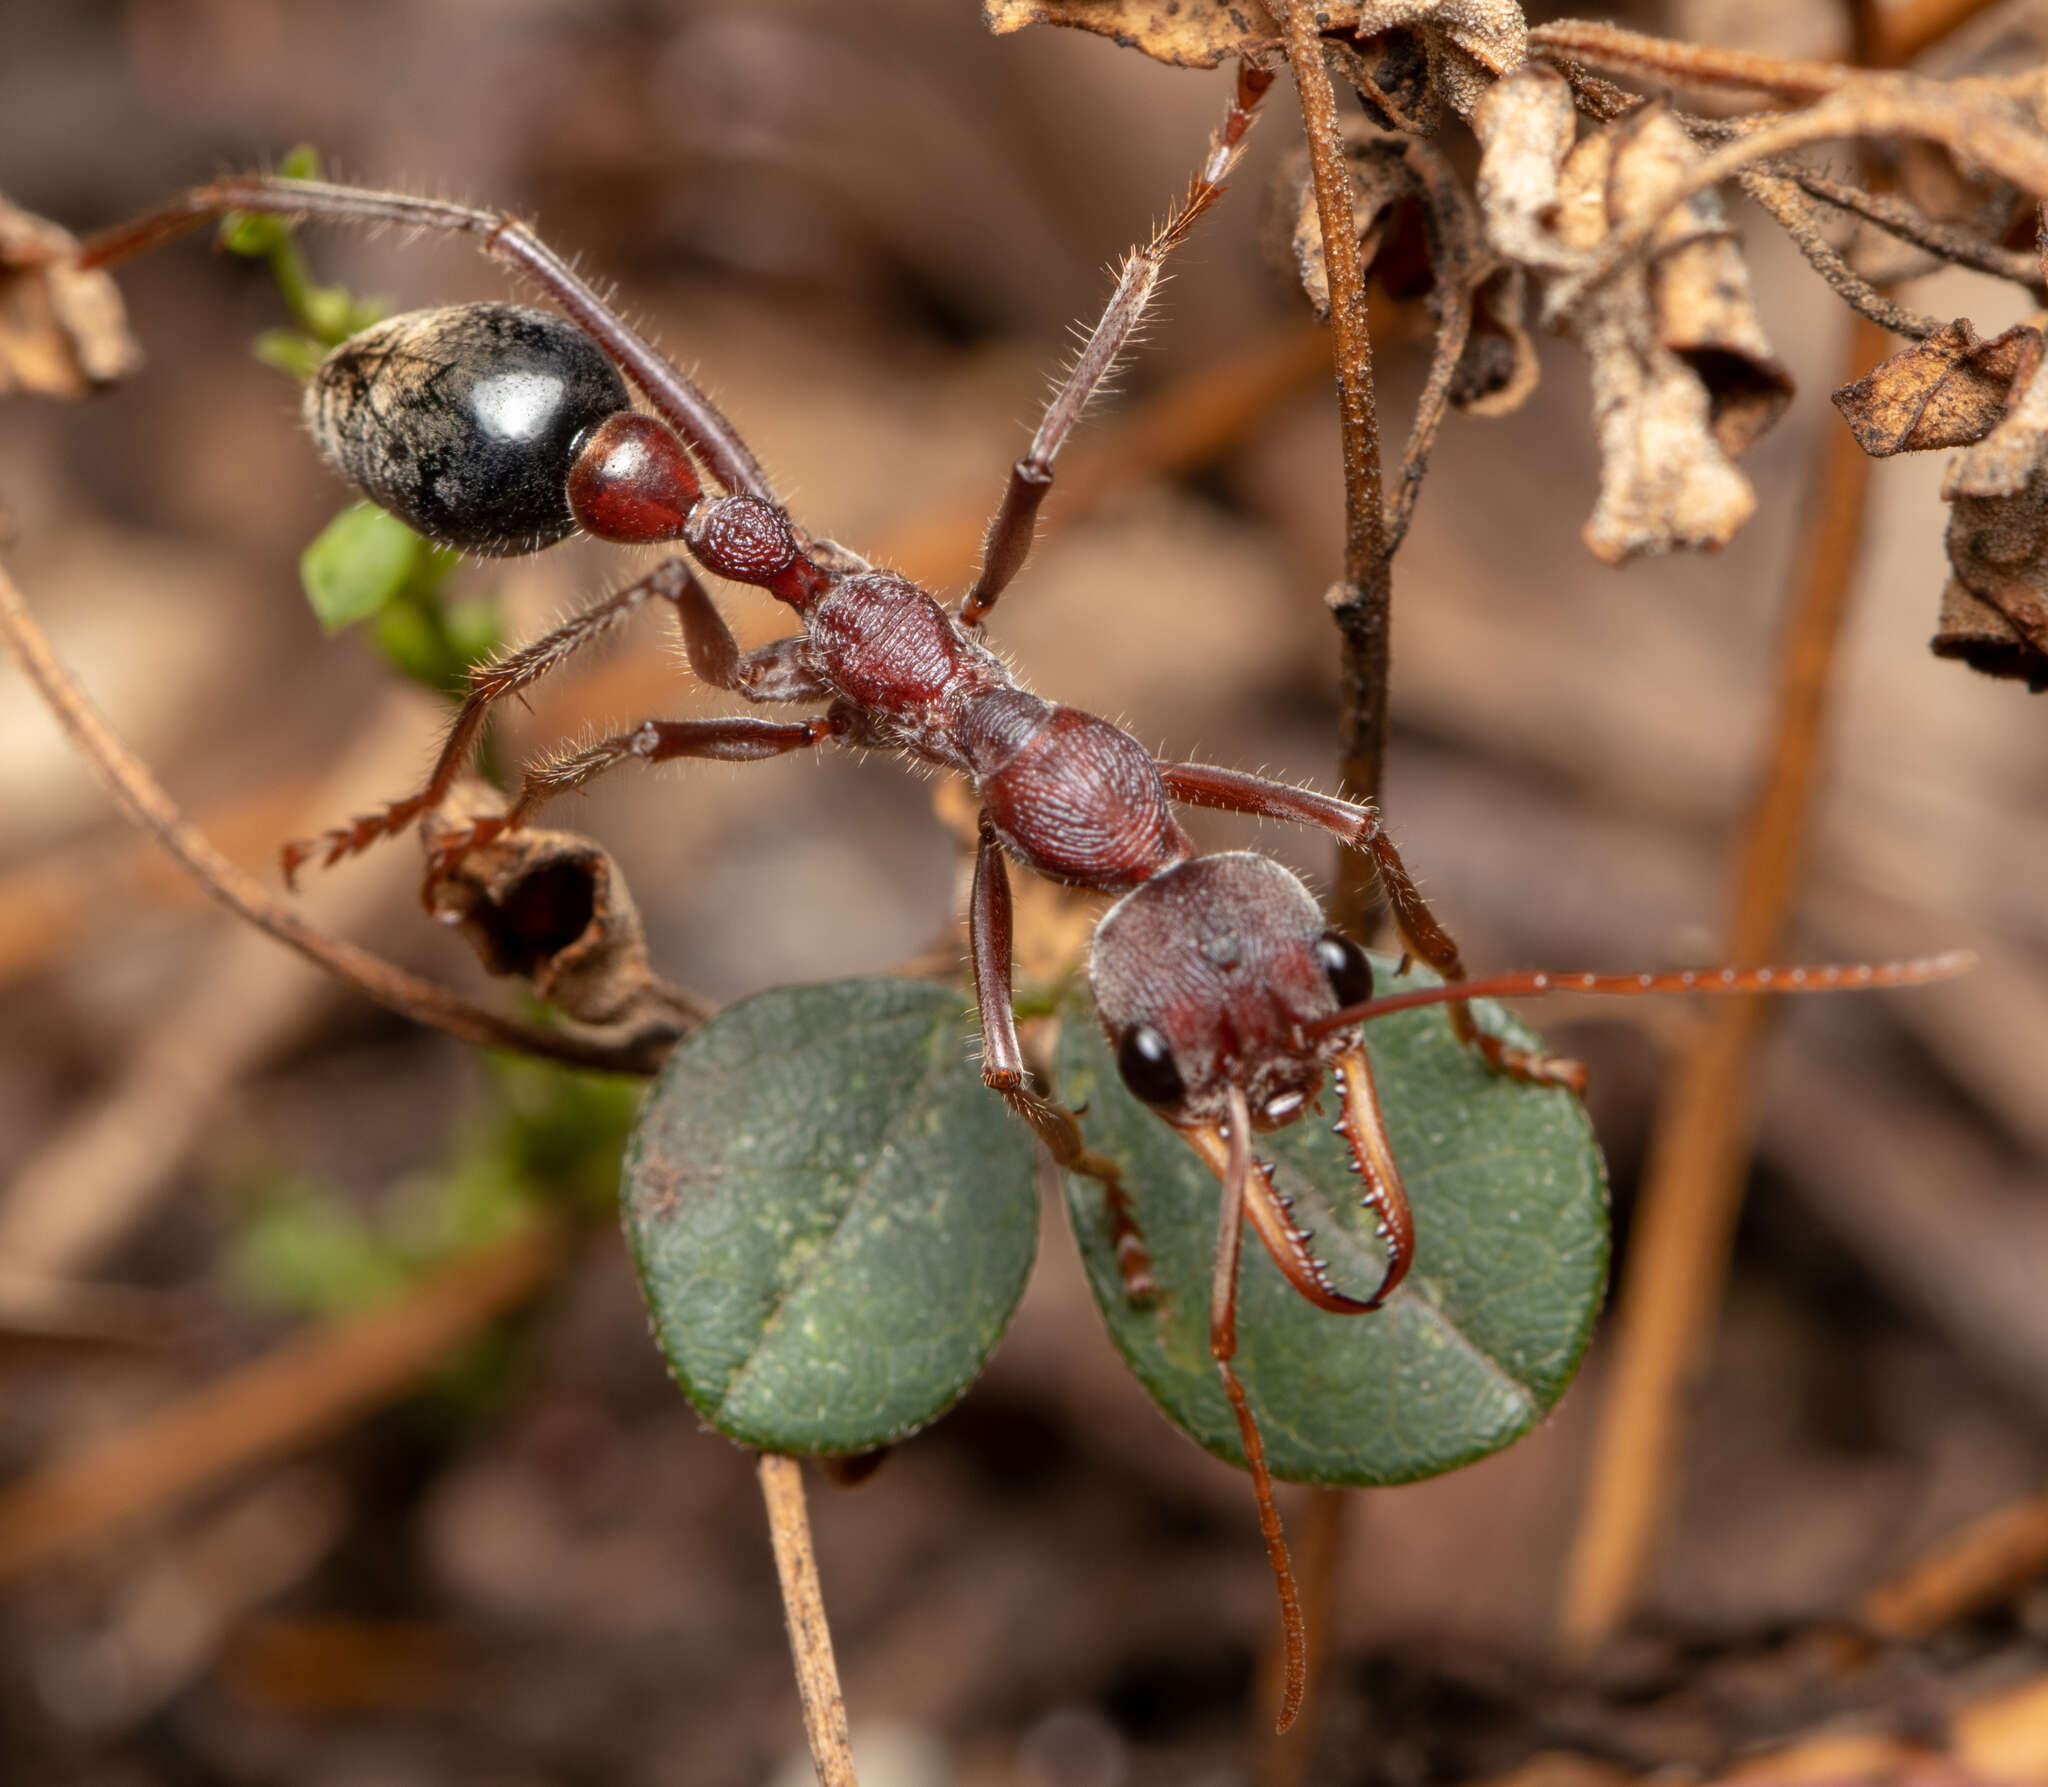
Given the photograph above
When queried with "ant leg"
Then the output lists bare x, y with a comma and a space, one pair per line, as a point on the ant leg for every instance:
652, 741
501, 236
1233, 791
1008, 542
488, 683
773, 673
1002, 1066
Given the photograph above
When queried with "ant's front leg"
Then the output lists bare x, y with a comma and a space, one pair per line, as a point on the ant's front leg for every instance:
1008, 542
1233, 791
990, 929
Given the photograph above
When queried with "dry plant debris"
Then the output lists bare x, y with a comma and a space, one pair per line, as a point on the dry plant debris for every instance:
1618, 218
1683, 378
1991, 399
63, 332
1186, 33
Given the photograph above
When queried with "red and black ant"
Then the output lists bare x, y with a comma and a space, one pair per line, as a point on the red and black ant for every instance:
1225, 996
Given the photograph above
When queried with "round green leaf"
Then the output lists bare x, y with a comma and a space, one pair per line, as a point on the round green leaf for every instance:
832, 1215
1510, 1202
357, 563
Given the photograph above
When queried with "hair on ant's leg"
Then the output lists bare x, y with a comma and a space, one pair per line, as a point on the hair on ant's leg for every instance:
738, 740
1008, 542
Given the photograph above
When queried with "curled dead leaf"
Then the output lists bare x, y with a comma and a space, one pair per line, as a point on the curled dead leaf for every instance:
551, 908
1420, 235
1947, 391
1683, 375
1470, 43
1995, 612
1186, 33
1498, 371
63, 332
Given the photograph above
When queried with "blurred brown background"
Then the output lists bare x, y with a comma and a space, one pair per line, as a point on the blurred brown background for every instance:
868, 228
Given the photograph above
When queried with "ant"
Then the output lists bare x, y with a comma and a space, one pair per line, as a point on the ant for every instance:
1227, 1000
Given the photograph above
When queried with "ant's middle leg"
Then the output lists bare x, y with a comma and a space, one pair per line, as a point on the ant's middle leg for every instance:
1002, 1067
1233, 791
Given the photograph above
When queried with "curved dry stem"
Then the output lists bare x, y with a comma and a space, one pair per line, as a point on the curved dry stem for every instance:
1780, 198
146, 802
1453, 330
1913, 227
1686, 64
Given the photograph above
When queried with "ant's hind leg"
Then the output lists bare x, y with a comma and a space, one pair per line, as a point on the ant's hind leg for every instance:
1233, 791
1002, 1068
488, 684
652, 741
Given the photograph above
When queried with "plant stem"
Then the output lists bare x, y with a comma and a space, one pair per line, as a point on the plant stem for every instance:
1700, 1148
803, 1606
143, 798
1362, 602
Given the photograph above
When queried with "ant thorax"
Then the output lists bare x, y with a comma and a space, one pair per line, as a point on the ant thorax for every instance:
1207, 977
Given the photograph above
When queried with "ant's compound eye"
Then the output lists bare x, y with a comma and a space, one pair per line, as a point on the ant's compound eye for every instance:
1146, 1063
1345, 968
465, 422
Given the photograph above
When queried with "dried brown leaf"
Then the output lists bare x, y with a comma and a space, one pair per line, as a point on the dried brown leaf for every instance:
1186, 33
1498, 371
1471, 43
1995, 611
1683, 376
63, 332
1947, 391
551, 908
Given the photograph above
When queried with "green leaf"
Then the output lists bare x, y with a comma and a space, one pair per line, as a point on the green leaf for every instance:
357, 564
832, 1216
1510, 1202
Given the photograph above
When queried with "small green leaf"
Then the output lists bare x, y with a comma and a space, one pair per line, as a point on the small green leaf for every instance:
1510, 1202
833, 1217
357, 564
291, 351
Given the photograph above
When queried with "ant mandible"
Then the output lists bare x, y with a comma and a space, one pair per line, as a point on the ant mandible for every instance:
1226, 999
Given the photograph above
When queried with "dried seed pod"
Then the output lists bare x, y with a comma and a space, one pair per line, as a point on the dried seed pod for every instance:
464, 422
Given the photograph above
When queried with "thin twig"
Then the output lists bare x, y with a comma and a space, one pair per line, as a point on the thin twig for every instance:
1781, 198
1362, 603
1687, 64
313, 1384
1913, 226
1454, 329
1991, 132
145, 801
1700, 1149
803, 1606
1991, 1560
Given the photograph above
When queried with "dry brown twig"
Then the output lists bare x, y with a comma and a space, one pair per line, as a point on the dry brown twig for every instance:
803, 1606
143, 798
311, 1385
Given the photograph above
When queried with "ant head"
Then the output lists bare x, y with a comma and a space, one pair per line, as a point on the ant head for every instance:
1207, 977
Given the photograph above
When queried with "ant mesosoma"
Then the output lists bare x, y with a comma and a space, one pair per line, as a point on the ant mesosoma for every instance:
1226, 998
